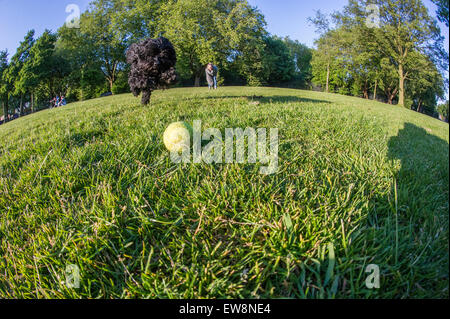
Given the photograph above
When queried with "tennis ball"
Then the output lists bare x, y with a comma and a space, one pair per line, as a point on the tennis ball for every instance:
177, 137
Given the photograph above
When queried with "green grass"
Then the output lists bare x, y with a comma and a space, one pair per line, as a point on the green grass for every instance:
91, 184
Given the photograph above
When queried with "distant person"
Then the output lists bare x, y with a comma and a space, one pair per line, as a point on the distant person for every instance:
52, 103
216, 71
211, 76
63, 100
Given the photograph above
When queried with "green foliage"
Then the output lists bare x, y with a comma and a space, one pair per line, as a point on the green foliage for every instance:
278, 62
3, 92
442, 11
401, 60
443, 110
302, 56
134, 20
98, 30
425, 84
43, 67
195, 36
121, 84
245, 26
405, 27
225, 32
17, 84
98, 46
3, 69
86, 77
13, 84
327, 69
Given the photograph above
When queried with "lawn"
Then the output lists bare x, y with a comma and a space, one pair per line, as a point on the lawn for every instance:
91, 185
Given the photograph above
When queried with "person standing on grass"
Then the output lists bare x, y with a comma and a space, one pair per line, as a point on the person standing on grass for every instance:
63, 100
216, 71
211, 76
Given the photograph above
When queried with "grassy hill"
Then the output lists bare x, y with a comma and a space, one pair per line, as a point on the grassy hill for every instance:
92, 185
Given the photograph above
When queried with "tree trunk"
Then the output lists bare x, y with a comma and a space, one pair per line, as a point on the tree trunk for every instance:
419, 105
375, 90
32, 102
5, 111
21, 104
401, 85
391, 94
366, 91
198, 73
328, 78
390, 99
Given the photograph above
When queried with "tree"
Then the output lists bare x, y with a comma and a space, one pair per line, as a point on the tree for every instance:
328, 62
13, 85
86, 77
302, 56
442, 11
191, 27
443, 110
244, 27
99, 33
362, 56
388, 80
405, 26
326, 48
135, 20
97, 44
277, 61
229, 33
37, 67
224, 32
3, 84
44, 68
426, 84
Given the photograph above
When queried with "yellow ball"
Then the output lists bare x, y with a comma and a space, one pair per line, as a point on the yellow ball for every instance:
177, 137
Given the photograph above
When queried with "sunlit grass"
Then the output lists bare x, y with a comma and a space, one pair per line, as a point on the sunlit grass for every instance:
91, 184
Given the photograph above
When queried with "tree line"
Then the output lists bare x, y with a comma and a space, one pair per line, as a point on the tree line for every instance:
402, 61
397, 57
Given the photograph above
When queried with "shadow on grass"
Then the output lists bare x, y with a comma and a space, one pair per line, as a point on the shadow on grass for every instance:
81, 138
257, 99
421, 154
413, 217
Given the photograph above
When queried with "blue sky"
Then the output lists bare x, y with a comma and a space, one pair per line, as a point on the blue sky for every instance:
284, 17
290, 17
19, 16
